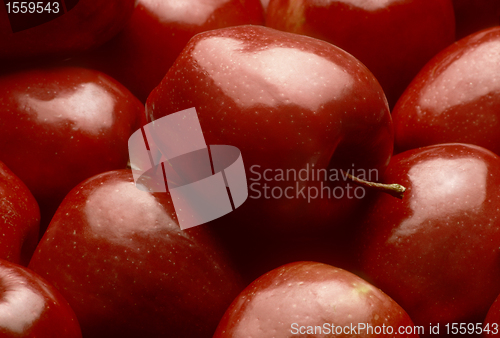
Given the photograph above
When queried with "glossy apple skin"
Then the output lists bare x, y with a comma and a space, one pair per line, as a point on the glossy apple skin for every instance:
394, 39
31, 307
140, 56
118, 256
287, 102
89, 24
435, 252
62, 125
492, 321
309, 294
474, 15
20, 221
455, 97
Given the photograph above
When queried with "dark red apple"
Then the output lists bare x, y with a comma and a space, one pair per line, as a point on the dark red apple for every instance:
293, 105
455, 97
118, 256
435, 252
20, 219
140, 56
30, 307
85, 24
62, 125
308, 299
394, 39
474, 15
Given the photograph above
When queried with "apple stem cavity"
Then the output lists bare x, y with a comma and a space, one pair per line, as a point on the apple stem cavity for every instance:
396, 190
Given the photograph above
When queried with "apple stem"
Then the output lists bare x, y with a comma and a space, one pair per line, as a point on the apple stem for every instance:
396, 190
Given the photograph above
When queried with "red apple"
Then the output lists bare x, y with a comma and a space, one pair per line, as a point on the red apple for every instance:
76, 26
20, 219
474, 15
118, 256
291, 104
31, 307
455, 97
435, 252
314, 300
63, 125
394, 39
140, 56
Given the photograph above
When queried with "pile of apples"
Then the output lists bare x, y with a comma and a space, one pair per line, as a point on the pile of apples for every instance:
408, 90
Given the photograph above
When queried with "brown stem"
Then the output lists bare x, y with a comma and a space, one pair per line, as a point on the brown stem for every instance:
396, 190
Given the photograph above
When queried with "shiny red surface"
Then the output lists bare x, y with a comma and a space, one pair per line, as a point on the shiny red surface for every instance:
62, 125
118, 256
140, 56
31, 307
310, 294
89, 24
436, 251
20, 219
394, 38
455, 98
287, 102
